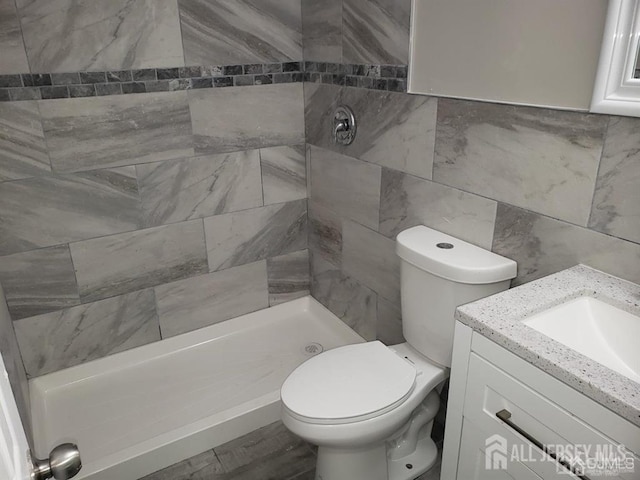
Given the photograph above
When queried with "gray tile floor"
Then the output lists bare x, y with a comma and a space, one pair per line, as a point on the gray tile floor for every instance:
269, 453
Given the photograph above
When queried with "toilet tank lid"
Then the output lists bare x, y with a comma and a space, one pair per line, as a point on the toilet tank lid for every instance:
451, 258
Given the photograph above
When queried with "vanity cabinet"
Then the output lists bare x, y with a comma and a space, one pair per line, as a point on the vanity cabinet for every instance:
503, 411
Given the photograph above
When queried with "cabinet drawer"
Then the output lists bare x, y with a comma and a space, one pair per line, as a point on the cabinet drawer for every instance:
491, 390
476, 462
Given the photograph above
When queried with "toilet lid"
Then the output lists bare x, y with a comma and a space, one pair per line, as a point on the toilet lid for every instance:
347, 382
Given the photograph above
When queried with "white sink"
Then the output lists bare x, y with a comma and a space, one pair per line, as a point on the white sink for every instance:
595, 329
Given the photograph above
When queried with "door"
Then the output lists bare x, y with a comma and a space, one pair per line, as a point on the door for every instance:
15, 461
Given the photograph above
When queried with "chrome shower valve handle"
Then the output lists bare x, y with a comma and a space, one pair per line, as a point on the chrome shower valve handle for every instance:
344, 126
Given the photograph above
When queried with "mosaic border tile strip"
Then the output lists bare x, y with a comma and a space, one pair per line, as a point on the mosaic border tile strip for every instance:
391, 78
46, 86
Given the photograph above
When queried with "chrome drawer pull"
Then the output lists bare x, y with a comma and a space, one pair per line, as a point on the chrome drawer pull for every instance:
505, 416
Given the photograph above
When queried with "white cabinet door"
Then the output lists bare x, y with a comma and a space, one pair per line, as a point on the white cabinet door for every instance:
475, 463
14, 449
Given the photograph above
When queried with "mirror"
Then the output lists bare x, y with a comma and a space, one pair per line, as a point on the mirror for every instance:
617, 87
540, 53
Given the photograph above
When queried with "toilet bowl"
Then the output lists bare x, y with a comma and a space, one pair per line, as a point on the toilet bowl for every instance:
352, 415
369, 407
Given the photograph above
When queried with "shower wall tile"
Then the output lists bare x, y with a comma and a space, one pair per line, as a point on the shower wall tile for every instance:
219, 32
395, 130
23, 151
44, 211
79, 334
543, 246
88, 133
346, 185
271, 115
407, 201
207, 299
542, 160
348, 299
284, 174
616, 203
288, 277
389, 325
371, 259
257, 234
376, 31
79, 35
118, 264
178, 190
325, 233
38, 281
14, 56
322, 30
320, 102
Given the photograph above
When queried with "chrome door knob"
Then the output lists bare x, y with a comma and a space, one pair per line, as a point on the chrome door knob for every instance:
63, 463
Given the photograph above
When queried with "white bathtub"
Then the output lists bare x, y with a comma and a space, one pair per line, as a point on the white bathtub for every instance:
138, 411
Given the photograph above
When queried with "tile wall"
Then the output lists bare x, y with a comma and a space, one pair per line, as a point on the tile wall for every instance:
127, 218
547, 188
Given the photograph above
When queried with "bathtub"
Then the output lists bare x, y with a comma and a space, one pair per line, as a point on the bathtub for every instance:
139, 411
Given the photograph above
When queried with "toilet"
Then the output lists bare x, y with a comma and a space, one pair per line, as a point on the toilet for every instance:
369, 407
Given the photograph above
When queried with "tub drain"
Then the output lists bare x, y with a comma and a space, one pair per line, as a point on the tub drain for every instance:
312, 348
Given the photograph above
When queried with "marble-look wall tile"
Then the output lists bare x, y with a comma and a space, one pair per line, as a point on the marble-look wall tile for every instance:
320, 102
395, 130
345, 185
284, 174
88, 133
38, 281
616, 203
220, 32
178, 190
257, 234
78, 35
325, 233
322, 30
117, 264
348, 299
207, 299
407, 201
542, 160
79, 334
23, 151
44, 211
389, 326
542, 246
14, 56
288, 277
371, 259
376, 31
247, 117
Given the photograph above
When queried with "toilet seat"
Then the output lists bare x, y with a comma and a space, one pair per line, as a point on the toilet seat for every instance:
348, 384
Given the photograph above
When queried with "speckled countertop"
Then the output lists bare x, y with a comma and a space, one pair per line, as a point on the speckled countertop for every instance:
499, 318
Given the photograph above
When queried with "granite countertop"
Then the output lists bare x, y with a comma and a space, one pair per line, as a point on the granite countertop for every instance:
499, 318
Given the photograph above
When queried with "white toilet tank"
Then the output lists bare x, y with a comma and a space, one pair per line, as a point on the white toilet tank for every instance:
438, 274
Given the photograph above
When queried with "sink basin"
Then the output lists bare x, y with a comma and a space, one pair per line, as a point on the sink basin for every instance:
595, 329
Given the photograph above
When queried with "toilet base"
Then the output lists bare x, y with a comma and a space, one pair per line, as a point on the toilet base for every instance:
358, 464
372, 464
421, 460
